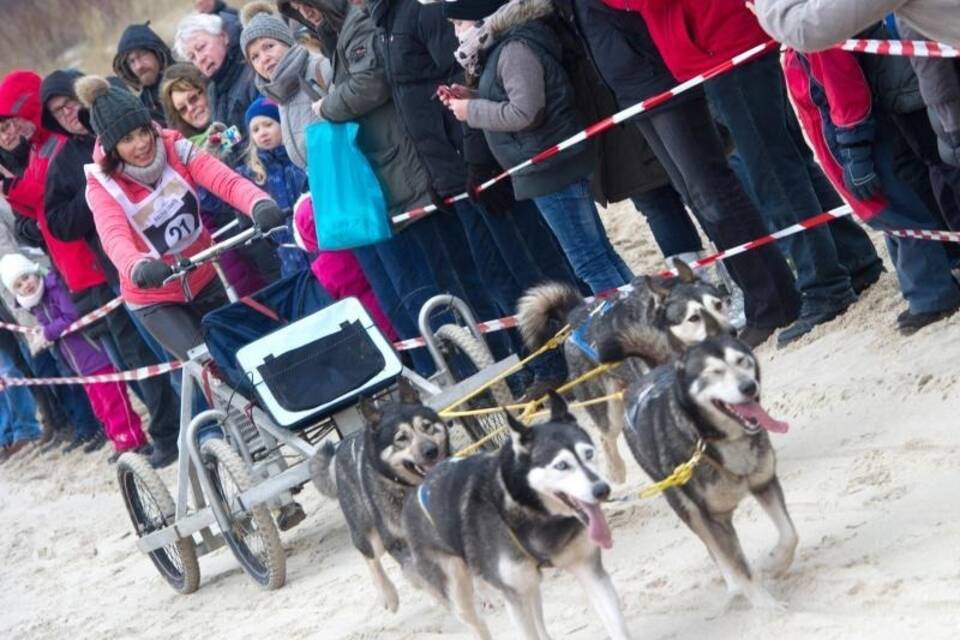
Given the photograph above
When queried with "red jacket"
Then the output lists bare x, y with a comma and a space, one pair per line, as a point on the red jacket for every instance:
20, 97
831, 96
696, 35
126, 249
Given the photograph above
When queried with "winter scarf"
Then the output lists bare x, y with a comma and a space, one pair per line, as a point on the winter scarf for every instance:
286, 79
480, 38
150, 174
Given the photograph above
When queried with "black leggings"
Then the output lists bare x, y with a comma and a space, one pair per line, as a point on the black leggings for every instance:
177, 326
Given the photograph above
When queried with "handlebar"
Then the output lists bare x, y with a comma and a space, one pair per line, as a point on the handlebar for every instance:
187, 264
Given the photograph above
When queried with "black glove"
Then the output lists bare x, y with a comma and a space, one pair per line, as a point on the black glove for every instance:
496, 199
859, 175
150, 274
267, 215
437, 200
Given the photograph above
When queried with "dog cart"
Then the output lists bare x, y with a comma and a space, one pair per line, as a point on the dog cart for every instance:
272, 398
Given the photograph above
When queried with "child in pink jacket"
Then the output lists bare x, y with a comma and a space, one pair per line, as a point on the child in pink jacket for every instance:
338, 271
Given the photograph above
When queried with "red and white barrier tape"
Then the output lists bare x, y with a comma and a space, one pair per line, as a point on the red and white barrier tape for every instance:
814, 221
122, 376
909, 48
923, 234
85, 321
599, 127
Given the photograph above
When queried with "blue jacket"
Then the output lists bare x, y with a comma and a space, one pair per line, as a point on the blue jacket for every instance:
285, 183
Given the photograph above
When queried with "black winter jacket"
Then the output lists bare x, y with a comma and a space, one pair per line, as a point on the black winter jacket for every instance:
417, 46
232, 89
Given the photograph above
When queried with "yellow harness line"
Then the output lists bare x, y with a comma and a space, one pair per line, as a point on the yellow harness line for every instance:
552, 343
681, 474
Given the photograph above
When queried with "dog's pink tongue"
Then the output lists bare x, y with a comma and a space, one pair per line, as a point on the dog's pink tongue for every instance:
753, 410
597, 528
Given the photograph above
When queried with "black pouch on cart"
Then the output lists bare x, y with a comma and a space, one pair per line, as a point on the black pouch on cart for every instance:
323, 370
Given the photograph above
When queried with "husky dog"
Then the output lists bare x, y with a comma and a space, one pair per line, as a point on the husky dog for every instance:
371, 472
712, 393
503, 515
643, 328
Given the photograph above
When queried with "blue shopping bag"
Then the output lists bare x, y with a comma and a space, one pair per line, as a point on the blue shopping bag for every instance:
348, 202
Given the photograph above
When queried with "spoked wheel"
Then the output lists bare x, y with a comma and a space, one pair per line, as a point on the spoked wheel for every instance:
251, 534
151, 508
457, 341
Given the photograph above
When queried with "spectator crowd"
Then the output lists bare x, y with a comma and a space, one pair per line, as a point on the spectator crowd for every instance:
108, 181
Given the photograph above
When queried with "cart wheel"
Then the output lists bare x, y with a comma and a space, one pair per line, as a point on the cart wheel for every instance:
454, 338
151, 508
251, 535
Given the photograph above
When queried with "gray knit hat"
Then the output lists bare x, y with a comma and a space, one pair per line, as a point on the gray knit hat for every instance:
114, 112
260, 20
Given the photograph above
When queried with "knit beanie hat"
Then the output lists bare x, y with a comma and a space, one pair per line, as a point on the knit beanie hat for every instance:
260, 20
470, 9
261, 107
14, 265
113, 112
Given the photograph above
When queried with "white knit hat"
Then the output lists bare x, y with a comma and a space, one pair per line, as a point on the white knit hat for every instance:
14, 265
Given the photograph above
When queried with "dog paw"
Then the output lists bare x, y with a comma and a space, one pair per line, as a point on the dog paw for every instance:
776, 563
762, 599
390, 599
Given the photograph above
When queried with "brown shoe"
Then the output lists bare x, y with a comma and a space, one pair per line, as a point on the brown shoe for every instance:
15, 448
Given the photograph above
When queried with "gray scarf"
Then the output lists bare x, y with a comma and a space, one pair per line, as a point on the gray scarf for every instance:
485, 34
150, 174
286, 79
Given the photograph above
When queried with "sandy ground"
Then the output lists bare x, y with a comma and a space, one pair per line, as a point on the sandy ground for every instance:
869, 469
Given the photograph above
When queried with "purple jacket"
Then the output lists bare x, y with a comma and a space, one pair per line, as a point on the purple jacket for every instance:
56, 312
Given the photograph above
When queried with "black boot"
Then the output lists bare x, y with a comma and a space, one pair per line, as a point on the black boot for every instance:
163, 455
95, 443
76, 443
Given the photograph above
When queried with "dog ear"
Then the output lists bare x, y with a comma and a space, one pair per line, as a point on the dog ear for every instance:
684, 272
559, 412
520, 434
659, 291
408, 393
371, 413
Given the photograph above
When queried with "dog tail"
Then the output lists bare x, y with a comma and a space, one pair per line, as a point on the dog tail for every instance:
630, 340
323, 471
542, 311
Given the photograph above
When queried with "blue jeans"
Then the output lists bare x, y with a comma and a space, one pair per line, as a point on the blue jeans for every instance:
923, 266
668, 220
541, 243
751, 102
18, 411
573, 218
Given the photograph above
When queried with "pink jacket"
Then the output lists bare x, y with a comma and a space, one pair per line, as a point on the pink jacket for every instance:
339, 272
124, 246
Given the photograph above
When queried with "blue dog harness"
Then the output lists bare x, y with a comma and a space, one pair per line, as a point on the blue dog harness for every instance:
579, 336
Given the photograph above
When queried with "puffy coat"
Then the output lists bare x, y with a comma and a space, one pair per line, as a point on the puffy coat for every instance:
361, 92
56, 312
126, 249
814, 25
417, 43
559, 120
20, 96
693, 35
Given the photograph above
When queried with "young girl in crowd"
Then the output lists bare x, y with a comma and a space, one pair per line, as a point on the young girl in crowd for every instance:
269, 167
339, 272
47, 298
524, 103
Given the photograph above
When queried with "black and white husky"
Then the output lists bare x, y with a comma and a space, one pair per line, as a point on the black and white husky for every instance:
712, 394
642, 329
371, 473
502, 516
